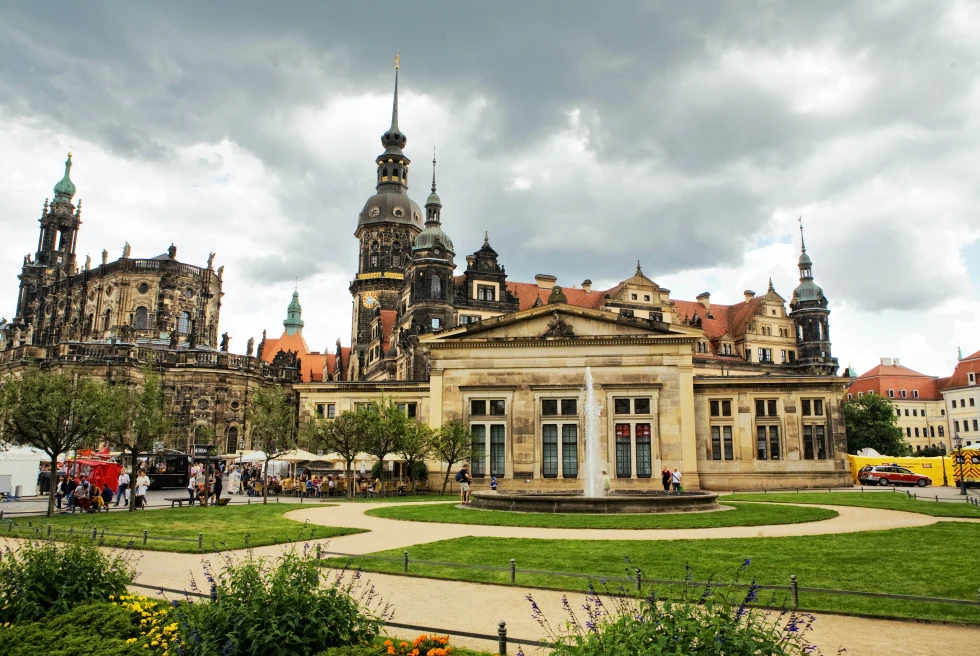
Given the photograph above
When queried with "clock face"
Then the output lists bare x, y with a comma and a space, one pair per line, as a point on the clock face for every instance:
370, 300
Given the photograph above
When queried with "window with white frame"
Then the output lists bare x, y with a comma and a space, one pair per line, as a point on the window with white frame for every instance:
487, 420
633, 437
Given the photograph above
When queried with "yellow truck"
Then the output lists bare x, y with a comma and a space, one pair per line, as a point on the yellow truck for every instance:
966, 464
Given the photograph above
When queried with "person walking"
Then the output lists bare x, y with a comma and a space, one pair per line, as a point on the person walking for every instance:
60, 492
123, 492
665, 479
216, 486
606, 482
675, 480
192, 487
463, 478
142, 486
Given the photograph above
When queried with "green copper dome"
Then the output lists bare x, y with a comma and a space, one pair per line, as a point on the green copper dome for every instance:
294, 316
433, 233
65, 189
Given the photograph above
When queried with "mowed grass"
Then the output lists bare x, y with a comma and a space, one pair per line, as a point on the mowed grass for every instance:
743, 515
915, 561
884, 500
224, 528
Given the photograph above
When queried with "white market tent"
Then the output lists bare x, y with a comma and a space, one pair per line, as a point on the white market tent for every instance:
20, 466
299, 455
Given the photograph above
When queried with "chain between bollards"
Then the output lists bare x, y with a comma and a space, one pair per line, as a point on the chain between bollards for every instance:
794, 589
502, 638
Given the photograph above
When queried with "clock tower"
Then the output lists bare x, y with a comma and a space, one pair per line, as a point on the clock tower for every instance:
386, 228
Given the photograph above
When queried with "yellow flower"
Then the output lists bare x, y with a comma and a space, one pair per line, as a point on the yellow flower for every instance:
131, 641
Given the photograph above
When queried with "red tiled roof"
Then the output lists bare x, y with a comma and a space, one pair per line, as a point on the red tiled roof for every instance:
970, 363
882, 378
387, 324
714, 327
528, 292
295, 342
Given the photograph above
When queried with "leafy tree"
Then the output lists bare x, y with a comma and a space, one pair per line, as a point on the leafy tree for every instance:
871, 423
140, 419
344, 435
415, 447
929, 452
453, 443
384, 428
272, 422
55, 413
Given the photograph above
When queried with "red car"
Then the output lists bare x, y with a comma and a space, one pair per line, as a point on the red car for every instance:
891, 475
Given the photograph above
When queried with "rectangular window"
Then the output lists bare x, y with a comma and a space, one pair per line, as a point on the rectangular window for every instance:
916, 431
569, 407
774, 442
478, 408
915, 412
974, 424
821, 443
498, 456
782, 357
331, 410
624, 462
485, 292
715, 408
792, 356
808, 442
762, 450
908, 432
906, 412
407, 409
549, 451
721, 443
436, 323
716, 442
727, 442
972, 402
569, 450
498, 407
549, 407
479, 460
806, 407
765, 407
765, 355
621, 406
644, 463
641, 406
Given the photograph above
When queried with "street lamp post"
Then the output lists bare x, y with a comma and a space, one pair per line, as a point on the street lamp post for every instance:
942, 450
958, 445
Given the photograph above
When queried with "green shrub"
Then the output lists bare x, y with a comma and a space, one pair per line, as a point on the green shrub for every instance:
50, 577
91, 629
283, 606
704, 620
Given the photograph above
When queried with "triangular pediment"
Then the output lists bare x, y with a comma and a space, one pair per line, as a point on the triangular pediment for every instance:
558, 321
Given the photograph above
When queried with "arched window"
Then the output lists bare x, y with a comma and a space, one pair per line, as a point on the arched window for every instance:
142, 315
184, 323
942, 432
108, 319
435, 291
232, 441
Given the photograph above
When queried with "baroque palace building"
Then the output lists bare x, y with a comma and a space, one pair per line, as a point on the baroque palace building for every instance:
115, 319
741, 396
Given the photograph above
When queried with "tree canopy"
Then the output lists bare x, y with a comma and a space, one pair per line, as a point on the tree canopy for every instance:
272, 425
453, 443
872, 423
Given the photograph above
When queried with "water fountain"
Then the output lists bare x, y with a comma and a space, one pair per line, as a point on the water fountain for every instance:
592, 498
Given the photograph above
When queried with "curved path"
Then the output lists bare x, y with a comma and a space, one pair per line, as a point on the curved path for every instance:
397, 534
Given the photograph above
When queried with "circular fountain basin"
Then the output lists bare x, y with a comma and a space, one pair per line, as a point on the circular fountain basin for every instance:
577, 502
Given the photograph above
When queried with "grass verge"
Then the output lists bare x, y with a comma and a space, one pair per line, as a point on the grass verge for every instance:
884, 500
900, 561
743, 515
224, 528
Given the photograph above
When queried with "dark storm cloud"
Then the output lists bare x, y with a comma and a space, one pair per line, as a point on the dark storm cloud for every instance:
144, 80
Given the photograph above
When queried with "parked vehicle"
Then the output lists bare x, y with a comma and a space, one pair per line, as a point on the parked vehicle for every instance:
891, 475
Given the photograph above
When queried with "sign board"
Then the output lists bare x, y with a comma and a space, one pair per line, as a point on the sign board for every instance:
201, 450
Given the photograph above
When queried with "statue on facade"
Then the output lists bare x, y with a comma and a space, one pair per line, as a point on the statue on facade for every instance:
88, 262
105, 257
172, 252
221, 271
225, 338
29, 335
15, 342
249, 345
127, 249
211, 261
174, 339
258, 353
192, 341
125, 332
74, 330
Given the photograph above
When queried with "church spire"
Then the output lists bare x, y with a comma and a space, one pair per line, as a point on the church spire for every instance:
433, 204
65, 189
394, 140
294, 316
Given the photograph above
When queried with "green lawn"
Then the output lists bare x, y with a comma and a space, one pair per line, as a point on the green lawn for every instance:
885, 500
919, 561
223, 528
743, 515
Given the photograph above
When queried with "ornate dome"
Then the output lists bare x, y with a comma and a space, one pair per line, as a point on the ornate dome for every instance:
430, 236
391, 208
65, 189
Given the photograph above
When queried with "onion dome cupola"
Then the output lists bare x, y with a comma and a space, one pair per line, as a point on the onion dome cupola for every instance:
810, 314
433, 237
294, 316
391, 203
807, 291
64, 191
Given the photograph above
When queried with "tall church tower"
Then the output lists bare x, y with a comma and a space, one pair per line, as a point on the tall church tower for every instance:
56, 243
386, 228
809, 312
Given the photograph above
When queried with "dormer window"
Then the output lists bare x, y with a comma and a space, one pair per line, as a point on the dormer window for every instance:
891, 394
398, 212
904, 394
375, 211
915, 394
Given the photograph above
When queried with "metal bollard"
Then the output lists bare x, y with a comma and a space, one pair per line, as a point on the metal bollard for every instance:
513, 570
146, 535
639, 580
301, 495
937, 498
318, 556
249, 502
200, 541
794, 590
502, 638
406, 561
95, 533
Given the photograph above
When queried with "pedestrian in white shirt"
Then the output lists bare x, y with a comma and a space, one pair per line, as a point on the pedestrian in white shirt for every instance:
192, 488
142, 486
675, 480
123, 492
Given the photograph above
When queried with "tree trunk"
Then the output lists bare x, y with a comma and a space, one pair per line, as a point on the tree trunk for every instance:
349, 482
54, 484
132, 480
445, 482
265, 480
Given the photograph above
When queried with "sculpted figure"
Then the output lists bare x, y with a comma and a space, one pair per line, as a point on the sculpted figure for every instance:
174, 339
29, 336
225, 338
221, 270
88, 262
105, 257
127, 249
211, 261
249, 345
16, 340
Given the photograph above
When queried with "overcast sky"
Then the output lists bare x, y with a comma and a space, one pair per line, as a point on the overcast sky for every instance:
582, 135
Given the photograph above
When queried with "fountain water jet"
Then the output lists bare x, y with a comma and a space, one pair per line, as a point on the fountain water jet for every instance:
593, 468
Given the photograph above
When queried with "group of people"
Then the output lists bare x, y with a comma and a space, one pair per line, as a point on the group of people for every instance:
201, 487
72, 492
671, 480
